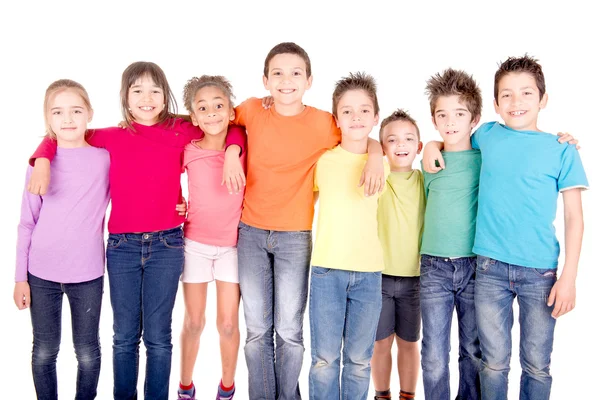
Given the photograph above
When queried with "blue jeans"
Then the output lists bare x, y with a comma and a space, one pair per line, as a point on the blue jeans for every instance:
344, 308
496, 286
447, 284
85, 301
273, 270
143, 271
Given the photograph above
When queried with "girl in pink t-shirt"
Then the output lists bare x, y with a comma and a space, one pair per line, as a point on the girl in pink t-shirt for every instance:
210, 233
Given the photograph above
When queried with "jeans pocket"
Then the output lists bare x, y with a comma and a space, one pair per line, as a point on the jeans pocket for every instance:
427, 265
484, 263
549, 273
320, 271
173, 242
114, 242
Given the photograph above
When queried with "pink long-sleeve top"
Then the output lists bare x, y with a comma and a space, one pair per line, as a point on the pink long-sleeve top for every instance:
145, 171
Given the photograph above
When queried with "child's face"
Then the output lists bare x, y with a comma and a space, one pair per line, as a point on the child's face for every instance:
145, 101
287, 80
356, 115
401, 145
453, 121
69, 117
519, 101
212, 110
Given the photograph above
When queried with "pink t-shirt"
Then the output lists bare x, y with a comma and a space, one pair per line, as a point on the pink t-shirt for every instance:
145, 171
213, 213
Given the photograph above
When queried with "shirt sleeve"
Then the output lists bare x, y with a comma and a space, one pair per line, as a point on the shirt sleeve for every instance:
30, 211
335, 135
46, 149
100, 137
426, 180
243, 112
236, 135
571, 175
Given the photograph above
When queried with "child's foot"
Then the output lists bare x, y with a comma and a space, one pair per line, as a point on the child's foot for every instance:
186, 392
383, 394
224, 392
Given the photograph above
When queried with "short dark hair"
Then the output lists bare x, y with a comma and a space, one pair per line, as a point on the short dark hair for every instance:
398, 115
526, 64
288, 48
194, 84
355, 81
453, 82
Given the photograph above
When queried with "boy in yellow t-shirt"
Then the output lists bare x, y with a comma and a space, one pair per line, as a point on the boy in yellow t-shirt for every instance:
345, 290
400, 216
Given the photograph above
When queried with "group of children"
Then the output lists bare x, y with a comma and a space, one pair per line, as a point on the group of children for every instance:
393, 246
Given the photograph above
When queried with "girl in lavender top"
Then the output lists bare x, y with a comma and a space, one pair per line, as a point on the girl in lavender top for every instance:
60, 246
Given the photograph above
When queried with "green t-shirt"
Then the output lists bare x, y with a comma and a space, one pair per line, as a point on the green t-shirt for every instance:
452, 206
400, 222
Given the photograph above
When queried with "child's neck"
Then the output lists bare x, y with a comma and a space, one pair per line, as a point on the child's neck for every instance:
400, 169
289, 110
71, 144
462, 146
355, 146
213, 142
533, 127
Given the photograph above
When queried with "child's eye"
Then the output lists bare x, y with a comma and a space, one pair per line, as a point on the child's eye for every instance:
366, 111
345, 112
297, 73
276, 73
461, 114
505, 95
156, 91
441, 115
219, 106
78, 112
528, 93
409, 139
391, 140
202, 108
55, 112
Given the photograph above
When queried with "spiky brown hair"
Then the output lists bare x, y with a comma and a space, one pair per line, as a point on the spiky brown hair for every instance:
525, 64
454, 82
398, 115
355, 81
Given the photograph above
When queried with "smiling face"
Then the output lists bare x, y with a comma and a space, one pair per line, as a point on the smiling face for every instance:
287, 79
356, 115
401, 144
519, 101
68, 116
145, 101
454, 122
212, 111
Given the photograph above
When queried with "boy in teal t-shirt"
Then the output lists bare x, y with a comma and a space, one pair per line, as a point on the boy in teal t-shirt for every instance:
447, 259
523, 171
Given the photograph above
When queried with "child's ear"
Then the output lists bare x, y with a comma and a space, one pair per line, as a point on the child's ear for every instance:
496, 107
309, 82
377, 119
433, 120
194, 120
91, 116
475, 121
420, 147
265, 81
544, 101
337, 123
232, 114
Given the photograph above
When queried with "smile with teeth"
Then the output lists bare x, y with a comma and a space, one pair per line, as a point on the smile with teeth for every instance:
517, 113
451, 132
401, 153
287, 91
147, 108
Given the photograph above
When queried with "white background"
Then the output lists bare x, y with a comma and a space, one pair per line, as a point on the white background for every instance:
400, 44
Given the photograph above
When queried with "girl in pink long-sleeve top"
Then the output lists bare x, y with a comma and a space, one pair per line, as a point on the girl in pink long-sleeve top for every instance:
60, 247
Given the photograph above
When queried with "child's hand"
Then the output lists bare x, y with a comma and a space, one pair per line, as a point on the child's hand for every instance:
122, 125
40, 177
566, 137
233, 171
22, 295
562, 296
433, 161
373, 176
181, 208
267, 102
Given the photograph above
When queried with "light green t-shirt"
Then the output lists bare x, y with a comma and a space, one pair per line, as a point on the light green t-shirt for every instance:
346, 233
451, 210
400, 222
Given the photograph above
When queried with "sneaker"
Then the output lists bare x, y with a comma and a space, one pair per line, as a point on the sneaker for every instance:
186, 394
219, 397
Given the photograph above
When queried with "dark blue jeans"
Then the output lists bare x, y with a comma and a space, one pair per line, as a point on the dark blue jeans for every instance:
448, 284
85, 300
143, 272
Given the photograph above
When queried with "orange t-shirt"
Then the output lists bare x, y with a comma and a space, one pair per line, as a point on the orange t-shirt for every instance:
282, 154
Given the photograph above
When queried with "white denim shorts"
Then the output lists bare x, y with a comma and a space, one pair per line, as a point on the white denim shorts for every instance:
206, 263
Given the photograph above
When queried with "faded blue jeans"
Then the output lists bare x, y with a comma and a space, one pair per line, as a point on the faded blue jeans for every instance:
448, 284
85, 301
273, 270
344, 309
496, 286
143, 273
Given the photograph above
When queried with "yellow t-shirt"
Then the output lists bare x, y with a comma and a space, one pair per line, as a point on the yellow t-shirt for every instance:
346, 236
400, 215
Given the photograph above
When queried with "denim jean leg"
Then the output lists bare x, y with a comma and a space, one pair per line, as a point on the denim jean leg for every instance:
362, 314
537, 332
291, 262
494, 312
162, 262
469, 351
123, 264
85, 301
255, 269
46, 312
437, 307
327, 316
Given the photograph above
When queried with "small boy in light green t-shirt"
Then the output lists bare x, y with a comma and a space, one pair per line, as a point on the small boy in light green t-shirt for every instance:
400, 226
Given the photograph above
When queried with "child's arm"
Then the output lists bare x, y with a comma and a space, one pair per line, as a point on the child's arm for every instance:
233, 170
563, 292
433, 161
30, 212
373, 175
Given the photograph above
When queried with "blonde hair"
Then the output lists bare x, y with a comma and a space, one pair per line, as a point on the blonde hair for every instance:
57, 87
194, 84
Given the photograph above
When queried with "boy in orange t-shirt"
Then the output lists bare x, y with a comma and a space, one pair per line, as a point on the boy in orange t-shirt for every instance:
275, 233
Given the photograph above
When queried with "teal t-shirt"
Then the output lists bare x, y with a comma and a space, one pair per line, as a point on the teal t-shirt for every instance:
522, 173
452, 205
